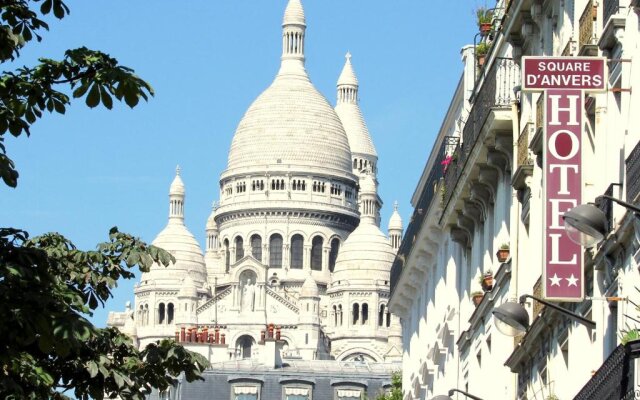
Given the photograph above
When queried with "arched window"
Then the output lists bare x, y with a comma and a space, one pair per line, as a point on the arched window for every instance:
227, 255
316, 253
355, 313
333, 253
340, 314
244, 345
335, 316
275, 251
161, 311
381, 315
365, 313
145, 318
256, 247
170, 313
239, 248
141, 315
297, 245
388, 318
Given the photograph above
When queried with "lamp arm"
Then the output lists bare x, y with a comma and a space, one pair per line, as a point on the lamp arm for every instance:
622, 203
579, 318
472, 397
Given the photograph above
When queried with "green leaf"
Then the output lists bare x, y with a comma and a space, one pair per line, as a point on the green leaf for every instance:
106, 99
92, 368
93, 98
81, 90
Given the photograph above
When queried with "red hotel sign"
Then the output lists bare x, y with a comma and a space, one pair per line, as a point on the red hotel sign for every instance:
563, 80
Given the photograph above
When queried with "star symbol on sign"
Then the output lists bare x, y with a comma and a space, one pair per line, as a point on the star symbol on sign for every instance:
555, 280
573, 281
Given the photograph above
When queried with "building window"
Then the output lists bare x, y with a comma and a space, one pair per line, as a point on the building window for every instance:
275, 251
145, 317
340, 314
256, 247
388, 318
245, 392
170, 313
365, 313
318, 186
335, 316
244, 346
241, 187
227, 255
297, 246
316, 253
297, 393
257, 185
298, 184
239, 248
333, 253
336, 189
161, 311
348, 394
381, 315
277, 184
355, 313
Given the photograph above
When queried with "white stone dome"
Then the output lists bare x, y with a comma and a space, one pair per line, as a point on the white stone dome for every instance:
290, 123
188, 288
365, 254
395, 221
177, 186
177, 240
294, 14
309, 288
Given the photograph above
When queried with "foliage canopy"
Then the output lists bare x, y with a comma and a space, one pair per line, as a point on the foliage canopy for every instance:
47, 286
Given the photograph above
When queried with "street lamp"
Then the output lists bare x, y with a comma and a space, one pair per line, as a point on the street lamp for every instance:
512, 319
586, 224
451, 392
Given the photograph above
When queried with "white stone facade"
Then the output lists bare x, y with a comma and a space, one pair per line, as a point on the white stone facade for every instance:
482, 187
280, 251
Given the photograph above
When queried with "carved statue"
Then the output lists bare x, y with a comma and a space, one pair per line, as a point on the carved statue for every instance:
247, 301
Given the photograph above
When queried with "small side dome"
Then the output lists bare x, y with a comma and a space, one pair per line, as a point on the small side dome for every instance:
366, 254
368, 184
395, 221
188, 288
309, 288
211, 221
177, 186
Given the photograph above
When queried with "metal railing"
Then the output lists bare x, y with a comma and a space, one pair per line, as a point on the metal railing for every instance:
633, 172
610, 7
615, 378
585, 30
495, 90
523, 148
447, 151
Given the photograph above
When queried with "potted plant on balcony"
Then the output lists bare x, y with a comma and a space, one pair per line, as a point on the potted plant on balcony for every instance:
485, 16
486, 280
482, 49
476, 297
503, 252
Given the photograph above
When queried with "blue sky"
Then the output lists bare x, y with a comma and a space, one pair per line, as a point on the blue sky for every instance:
89, 170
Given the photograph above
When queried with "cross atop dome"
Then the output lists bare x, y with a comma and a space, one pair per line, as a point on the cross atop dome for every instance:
178, 169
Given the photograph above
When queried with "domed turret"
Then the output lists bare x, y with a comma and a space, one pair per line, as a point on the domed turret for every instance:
363, 151
395, 228
309, 288
177, 240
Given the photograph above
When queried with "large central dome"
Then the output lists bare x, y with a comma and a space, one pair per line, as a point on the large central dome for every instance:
290, 123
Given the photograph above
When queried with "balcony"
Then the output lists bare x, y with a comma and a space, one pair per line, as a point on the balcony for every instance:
633, 171
610, 7
615, 377
586, 34
447, 151
493, 91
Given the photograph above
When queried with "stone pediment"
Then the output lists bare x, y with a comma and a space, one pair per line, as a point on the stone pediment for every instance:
245, 263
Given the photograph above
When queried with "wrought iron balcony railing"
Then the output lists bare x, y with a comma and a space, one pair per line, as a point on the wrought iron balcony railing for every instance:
615, 378
633, 172
585, 30
495, 90
445, 160
611, 7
